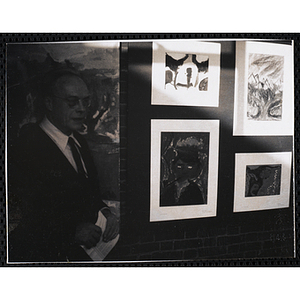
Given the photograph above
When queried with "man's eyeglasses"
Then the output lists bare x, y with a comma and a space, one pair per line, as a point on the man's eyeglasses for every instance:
74, 101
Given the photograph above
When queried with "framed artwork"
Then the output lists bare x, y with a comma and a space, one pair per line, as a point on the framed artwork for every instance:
262, 181
264, 97
184, 169
186, 73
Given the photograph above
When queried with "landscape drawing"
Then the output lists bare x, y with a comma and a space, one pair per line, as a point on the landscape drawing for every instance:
263, 180
184, 168
186, 71
265, 87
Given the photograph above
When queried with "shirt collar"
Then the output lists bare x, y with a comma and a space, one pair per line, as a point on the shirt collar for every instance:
60, 139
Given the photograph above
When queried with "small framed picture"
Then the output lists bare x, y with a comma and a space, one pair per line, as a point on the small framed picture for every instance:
264, 97
184, 169
262, 181
186, 73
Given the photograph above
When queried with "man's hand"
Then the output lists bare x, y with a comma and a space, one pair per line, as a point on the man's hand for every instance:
88, 235
112, 226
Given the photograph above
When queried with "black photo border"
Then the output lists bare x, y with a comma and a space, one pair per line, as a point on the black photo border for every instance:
73, 37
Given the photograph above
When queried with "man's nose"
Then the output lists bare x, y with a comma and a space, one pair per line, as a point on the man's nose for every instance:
80, 107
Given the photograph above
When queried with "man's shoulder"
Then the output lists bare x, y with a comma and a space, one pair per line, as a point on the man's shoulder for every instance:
30, 130
32, 135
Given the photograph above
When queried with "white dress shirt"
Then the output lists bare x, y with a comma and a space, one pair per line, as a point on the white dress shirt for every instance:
61, 140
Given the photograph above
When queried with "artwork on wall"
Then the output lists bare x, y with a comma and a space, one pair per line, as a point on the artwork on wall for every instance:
184, 169
186, 74
263, 89
262, 181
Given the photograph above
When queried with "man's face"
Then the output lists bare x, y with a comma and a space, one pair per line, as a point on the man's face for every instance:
62, 113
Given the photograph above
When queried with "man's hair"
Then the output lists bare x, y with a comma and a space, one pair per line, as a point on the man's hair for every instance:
51, 78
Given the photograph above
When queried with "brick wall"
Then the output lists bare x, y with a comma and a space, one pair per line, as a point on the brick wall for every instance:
177, 242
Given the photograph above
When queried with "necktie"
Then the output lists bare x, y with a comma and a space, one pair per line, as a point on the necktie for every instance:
77, 156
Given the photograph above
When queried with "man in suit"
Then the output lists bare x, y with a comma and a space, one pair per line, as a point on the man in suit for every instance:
54, 176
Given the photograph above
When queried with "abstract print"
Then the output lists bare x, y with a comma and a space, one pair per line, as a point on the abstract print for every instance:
263, 180
184, 168
186, 71
265, 87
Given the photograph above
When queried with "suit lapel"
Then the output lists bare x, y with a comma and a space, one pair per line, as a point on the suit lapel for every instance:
55, 154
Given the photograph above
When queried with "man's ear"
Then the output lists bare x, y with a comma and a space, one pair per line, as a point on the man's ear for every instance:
49, 103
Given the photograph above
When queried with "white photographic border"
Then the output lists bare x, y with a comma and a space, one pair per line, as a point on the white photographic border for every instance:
241, 125
191, 97
242, 160
164, 213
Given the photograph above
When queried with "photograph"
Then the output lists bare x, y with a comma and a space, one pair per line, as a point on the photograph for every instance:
122, 152
184, 169
62, 151
263, 89
262, 181
186, 74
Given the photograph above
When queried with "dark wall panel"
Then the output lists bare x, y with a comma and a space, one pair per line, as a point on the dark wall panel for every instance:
266, 233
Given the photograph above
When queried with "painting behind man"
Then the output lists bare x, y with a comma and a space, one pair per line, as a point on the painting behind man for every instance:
98, 64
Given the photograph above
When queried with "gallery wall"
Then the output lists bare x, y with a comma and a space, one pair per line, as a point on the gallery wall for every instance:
249, 234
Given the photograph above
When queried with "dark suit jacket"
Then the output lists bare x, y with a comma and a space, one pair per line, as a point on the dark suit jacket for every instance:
55, 199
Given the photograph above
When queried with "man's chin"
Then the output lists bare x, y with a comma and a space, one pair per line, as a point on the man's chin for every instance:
77, 125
